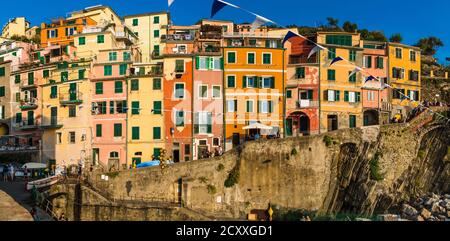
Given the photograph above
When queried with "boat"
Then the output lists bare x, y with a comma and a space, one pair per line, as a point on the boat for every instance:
45, 182
148, 164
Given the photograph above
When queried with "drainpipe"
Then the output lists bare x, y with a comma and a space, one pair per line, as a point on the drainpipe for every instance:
284, 96
224, 101
126, 126
319, 92
192, 110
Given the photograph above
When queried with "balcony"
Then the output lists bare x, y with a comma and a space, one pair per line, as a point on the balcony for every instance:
73, 98
17, 148
126, 36
28, 84
177, 38
303, 104
303, 59
29, 104
29, 124
386, 106
209, 50
153, 71
52, 123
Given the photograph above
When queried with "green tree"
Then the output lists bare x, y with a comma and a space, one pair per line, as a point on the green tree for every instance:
396, 38
333, 22
350, 27
429, 45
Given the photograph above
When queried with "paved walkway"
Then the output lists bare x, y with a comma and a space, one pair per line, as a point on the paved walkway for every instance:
16, 201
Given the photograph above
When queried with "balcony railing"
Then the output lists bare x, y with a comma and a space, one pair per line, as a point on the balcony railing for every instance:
27, 124
53, 123
126, 36
74, 98
29, 104
210, 35
153, 71
17, 148
27, 85
302, 104
303, 60
386, 106
177, 37
252, 35
213, 50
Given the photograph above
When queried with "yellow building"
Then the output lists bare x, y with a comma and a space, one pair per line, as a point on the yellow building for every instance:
145, 87
100, 14
340, 96
404, 76
16, 26
66, 111
254, 77
150, 28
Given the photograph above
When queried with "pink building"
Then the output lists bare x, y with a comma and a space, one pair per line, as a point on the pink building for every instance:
376, 105
109, 107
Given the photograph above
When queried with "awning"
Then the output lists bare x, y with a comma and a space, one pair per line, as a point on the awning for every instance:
257, 126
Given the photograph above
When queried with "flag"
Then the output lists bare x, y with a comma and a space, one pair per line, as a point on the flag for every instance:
369, 78
384, 86
356, 70
337, 59
288, 36
218, 5
315, 50
170, 2
259, 21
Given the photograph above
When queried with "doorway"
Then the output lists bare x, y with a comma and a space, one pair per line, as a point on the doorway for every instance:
54, 115
332, 122
73, 91
236, 140
176, 156
202, 149
304, 124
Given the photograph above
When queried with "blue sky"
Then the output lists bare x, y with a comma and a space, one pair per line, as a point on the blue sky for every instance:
407, 17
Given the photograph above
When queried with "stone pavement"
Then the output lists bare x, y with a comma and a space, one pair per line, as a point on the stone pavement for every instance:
10, 210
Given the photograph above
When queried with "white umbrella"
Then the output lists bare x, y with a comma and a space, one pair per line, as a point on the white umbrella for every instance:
257, 126
35, 165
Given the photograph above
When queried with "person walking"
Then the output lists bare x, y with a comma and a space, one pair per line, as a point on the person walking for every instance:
5, 173
11, 172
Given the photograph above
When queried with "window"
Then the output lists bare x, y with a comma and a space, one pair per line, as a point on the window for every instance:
98, 130
398, 73
250, 58
265, 106
202, 91
332, 95
117, 130
156, 84
111, 107
114, 154
112, 56
64, 76
18, 117
17, 79
203, 123
379, 63
157, 107
345, 40
352, 121
267, 58
179, 66
216, 92
351, 78
370, 95
331, 53
121, 106
268, 82
300, 72
231, 106
156, 152
156, 133
30, 78
179, 91
72, 111
156, 50
123, 69
118, 87
135, 133
398, 94
81, 73
249, 105
45, 73
412, 56
18, 97
413, 95
231, 57
99, 107
367, 61
252, 42
156, 19
231, 81
134, 84
126, 56
2, 91
52, 33
2, 71
99, 88
156, 33
107, 70
135, 108
398, 53
352, 55
72, 137
352, 97
81, 40
272, 44
288, 94
100, 39
70, 31
331, 74
179, 118
250, 82
135, 22
59, 138
413, 75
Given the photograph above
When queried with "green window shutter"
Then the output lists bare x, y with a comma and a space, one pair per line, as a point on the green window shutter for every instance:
272, 82
98, 130
251, 58
338, 93
30, 78
46, 73
197, 62
331, 53
244, 82
156, 33
18, 117
134, 84
135, 22
267, 43
352, 78
135, 133
2, 91
270, 103
231, 81
369, 62
289, 94
135, 108
331, 74
17, 79
352, 55
221, 63
18, 97
123, 69
156, 84
157, 107
72, 111
231, 57
100, 39
118, 87
352, 121
408, 93
156, 19
358, 96
346, 96
64, 76
117, 130
53, 92
156, 152
156, 133
111, 107
267, 59
310, 94
380, 63
2, 71
81, 40
81, 73
107, 70
99, 88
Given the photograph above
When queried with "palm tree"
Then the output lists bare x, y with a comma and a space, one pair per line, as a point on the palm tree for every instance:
350, 27
429, 45
333, 22
396, 38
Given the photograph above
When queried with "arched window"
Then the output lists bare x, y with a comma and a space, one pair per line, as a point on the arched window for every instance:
114, 154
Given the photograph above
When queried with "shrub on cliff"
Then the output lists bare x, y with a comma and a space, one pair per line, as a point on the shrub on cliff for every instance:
233, 178
375, 168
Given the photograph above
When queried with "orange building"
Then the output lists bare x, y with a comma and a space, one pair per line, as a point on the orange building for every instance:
61, 31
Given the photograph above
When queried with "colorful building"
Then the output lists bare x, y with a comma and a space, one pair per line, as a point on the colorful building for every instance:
341, 103
404, 77
61, 31
15, 27
178, 91
254, 75
302, 89
5, 98
146, 119
375, 98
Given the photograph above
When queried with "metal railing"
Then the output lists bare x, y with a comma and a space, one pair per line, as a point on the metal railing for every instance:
76, 97
177, 37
